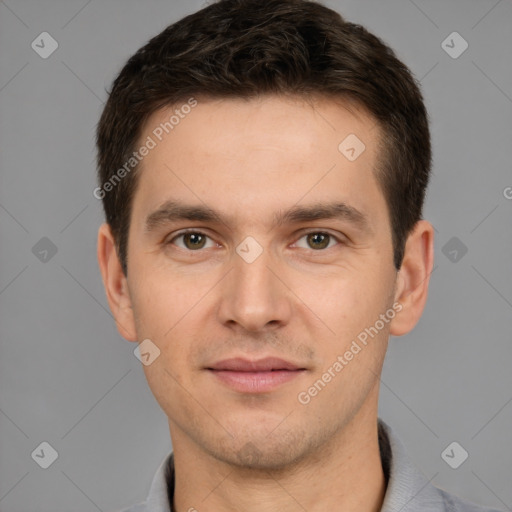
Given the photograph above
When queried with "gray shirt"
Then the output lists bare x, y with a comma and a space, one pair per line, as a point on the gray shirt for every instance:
408, 490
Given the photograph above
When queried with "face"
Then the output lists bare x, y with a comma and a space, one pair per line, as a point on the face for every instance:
259, 252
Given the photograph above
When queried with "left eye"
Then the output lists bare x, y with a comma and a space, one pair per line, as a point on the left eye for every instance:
317, 240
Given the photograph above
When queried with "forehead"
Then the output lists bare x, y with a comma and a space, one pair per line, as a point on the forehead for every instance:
256, 156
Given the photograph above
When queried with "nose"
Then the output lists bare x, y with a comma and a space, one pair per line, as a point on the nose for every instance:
253, 296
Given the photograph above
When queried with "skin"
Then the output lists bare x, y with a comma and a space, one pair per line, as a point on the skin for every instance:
248, 160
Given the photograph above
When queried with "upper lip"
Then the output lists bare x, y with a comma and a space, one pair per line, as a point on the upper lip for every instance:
239, 364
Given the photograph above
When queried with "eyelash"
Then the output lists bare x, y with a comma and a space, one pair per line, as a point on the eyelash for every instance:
198, 232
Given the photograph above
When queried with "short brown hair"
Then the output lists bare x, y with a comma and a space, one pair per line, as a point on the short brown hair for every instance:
247, 48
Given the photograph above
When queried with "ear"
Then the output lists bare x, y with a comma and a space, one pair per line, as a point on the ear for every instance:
413, 278
115, 283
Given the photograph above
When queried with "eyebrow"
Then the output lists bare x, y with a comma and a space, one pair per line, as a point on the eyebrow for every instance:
173, 211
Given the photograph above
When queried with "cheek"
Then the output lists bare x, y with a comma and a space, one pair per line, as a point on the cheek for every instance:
170, 311
350, 306
343, 301
162, 300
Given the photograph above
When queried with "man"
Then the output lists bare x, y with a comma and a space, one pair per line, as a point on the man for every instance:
263, 167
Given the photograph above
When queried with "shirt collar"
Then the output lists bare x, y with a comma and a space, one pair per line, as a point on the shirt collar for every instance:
408, 489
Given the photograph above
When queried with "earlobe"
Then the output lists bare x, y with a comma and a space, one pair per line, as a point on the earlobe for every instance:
413, 278
115, 283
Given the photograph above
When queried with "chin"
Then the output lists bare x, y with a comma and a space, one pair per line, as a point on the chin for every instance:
264, 451
253, 456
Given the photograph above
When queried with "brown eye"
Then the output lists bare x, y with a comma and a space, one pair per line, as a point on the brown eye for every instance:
194, 240
318, 240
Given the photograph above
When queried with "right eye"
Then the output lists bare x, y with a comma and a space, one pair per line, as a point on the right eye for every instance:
191, 240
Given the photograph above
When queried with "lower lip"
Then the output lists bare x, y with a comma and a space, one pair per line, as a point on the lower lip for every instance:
256, 382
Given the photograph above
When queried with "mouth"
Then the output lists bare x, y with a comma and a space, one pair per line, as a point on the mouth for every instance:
260, 376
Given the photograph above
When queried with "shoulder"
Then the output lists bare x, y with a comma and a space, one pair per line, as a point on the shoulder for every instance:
455, 504
408, 489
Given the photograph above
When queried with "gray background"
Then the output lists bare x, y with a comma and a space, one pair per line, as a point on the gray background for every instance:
69, 379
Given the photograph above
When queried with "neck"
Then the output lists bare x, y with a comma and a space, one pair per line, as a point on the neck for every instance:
347, 475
